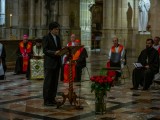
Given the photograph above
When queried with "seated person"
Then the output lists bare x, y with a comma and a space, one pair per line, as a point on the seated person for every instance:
71, 42
64, 57
36, 69
149, 58
116, 56
156, 44
79, 62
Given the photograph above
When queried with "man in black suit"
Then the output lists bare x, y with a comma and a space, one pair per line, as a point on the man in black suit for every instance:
149, 58
52, 64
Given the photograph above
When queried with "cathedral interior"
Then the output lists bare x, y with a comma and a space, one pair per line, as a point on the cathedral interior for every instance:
95, 23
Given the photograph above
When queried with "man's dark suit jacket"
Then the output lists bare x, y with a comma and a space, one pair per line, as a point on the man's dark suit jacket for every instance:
49, 48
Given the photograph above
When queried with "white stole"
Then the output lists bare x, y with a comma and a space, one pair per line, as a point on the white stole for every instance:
37, 52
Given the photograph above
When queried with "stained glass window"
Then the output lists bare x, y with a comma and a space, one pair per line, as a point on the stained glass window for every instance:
2, 12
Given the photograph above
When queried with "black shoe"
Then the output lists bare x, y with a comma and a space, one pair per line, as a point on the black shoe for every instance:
144, 89
49, 104
54, 102
133, 88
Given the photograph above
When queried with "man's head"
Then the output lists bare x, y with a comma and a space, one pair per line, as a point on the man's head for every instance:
38, 42
156, 40
54, 28
149, 43
25, 38
115, 41
73, 37
77, 42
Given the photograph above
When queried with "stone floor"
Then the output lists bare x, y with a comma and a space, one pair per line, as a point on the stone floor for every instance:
22, 99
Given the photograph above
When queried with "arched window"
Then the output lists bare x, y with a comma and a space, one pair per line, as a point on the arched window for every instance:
2, 12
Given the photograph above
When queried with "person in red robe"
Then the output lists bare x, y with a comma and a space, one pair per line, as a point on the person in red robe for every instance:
24, 53
79, 62
70, 43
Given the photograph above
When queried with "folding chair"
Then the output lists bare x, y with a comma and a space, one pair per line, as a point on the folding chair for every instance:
125, 73
156, 79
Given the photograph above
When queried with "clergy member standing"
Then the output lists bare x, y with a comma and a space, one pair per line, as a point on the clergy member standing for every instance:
2, 62
24, 53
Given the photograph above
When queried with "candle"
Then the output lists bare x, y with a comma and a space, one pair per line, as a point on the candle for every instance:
10, 20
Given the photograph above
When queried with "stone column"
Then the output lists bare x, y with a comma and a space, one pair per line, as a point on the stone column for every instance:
107, 8
31, 18
65, 13
38, 18
6, 32
74, 18
44, 25
55, 11
107, 25
64, 6
118, 16
21, 18
154, 18
43, 14
121, 31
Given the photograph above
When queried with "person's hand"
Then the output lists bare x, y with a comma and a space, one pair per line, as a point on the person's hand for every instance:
19, 55
56, 52
75, 62
122, 60
147, 66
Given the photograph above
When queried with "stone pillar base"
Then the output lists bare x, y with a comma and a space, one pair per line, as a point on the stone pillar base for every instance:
144, 33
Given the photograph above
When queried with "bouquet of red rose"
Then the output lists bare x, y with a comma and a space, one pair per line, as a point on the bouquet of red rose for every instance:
101, 83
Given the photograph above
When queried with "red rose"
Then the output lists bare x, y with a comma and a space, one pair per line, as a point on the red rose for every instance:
109, 80
105, 81
101, 81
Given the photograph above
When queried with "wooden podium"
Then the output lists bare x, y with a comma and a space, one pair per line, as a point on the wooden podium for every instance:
71, 94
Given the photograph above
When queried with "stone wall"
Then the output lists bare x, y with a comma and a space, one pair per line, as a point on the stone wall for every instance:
121, 19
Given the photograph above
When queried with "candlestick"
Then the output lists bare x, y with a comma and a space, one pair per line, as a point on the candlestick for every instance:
10, 20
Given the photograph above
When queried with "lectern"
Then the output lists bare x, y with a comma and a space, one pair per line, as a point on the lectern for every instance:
71, 94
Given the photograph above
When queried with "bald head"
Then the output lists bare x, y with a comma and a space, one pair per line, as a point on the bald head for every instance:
156, 40
115, 41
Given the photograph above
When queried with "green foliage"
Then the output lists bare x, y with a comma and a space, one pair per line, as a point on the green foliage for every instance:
100, 87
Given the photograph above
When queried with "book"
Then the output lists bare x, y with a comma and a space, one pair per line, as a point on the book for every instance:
69, 49
138, 65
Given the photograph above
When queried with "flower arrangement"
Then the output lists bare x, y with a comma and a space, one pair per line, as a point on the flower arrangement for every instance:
101, 83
